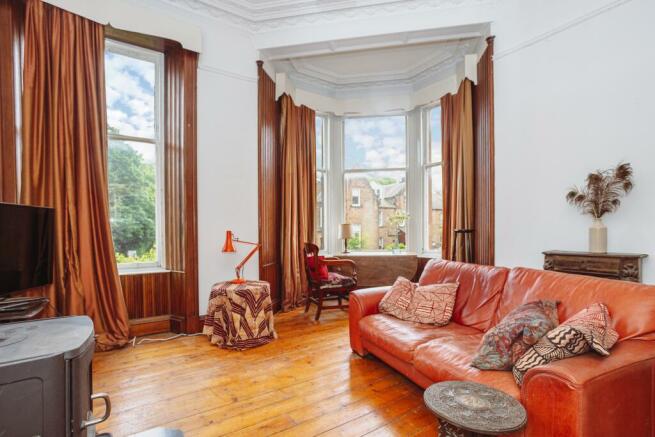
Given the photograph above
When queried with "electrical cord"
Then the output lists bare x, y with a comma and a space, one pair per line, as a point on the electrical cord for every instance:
153, 340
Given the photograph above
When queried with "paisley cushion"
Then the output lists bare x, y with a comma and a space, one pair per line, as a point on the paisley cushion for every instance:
506, 342
585, 331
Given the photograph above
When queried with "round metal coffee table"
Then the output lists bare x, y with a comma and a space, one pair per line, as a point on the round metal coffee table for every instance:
468, 409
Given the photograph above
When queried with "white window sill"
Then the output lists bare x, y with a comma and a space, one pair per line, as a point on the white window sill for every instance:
375, 253
141, 271
433, 255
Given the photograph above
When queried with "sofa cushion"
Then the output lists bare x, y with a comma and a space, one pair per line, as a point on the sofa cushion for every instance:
588, 330
504, 344
448, 359
431, 304
401, 338
631, 305
479, 290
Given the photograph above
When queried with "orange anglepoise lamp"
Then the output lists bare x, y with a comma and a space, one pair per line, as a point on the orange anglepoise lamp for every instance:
229, 247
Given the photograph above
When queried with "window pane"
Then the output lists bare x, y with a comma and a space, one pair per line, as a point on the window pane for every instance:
435, 135
381, 215
435, 209
374, 143
132, 200
319, 237
319, 142
130, 85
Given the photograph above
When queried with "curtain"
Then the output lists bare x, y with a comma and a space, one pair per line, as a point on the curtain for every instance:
458, 172
298, 168
65, 164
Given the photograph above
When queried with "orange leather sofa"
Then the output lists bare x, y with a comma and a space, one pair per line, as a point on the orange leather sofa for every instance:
587, 395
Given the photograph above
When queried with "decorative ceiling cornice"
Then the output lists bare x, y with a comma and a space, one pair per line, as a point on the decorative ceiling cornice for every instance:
320, 78
259, 16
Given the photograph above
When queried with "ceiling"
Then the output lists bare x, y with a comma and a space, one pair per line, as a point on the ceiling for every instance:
407, 67
261, 15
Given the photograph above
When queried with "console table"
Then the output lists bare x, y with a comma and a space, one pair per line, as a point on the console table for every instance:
621, 266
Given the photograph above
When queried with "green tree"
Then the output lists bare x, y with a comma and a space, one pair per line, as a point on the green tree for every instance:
355, 242
132, 203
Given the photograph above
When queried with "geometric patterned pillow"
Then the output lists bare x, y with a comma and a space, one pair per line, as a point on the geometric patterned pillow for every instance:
506, 342
587, 330
396, 301
433, 303
426, 304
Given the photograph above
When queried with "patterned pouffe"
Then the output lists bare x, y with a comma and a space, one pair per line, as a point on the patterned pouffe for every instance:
240, 316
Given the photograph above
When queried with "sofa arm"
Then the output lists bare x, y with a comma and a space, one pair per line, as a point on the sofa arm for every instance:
592, 395
362, 303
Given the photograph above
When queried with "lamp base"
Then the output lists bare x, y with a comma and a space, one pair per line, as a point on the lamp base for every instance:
239, 281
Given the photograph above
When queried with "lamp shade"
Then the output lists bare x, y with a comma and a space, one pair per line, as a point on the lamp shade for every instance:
228, 246
346, 230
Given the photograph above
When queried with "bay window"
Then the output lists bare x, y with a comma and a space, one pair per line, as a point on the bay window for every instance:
375, 174
321, 180
382, 175
433, 211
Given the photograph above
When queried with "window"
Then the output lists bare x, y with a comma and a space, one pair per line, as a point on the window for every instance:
356, 196
355, 242
134, 84
375, 174
433, 182
321, 176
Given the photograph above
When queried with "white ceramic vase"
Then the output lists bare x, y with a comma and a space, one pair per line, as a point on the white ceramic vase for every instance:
597, 236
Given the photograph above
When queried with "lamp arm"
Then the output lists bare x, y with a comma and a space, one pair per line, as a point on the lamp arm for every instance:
250, 254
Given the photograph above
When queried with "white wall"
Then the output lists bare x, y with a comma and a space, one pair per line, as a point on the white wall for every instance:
227, 148
574, 101
565, 105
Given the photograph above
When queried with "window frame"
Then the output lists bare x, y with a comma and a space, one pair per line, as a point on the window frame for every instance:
346, 171
324, 171
356, 193
427, 166
158, 58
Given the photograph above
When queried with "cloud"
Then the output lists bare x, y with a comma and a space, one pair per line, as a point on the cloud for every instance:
130, 95
376, 142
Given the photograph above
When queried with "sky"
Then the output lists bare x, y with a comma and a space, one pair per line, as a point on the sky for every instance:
375, 142
130, 85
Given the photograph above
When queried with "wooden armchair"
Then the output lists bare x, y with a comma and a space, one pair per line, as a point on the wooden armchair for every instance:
341, 280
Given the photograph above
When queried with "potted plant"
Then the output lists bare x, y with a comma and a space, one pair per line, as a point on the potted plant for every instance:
601, 195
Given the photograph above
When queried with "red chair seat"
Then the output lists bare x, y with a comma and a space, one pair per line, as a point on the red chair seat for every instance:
335, 280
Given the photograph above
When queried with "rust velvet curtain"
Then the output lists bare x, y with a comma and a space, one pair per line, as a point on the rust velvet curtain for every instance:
298, 174
64, 164
458, 170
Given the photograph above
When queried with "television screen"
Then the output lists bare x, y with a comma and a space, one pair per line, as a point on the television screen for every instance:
26, 247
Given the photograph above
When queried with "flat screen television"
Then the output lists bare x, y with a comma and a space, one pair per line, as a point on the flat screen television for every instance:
26, 247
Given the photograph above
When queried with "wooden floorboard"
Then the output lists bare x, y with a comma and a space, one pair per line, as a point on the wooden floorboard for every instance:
306, 383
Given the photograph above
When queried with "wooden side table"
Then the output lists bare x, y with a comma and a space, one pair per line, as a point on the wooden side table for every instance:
621, 266
240, 316
468, 409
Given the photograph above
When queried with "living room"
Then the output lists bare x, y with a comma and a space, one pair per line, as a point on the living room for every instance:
380, 217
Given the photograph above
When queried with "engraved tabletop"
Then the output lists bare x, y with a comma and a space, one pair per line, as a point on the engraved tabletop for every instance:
475, 407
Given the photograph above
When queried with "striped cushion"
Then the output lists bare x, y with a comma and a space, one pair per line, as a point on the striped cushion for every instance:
587, 330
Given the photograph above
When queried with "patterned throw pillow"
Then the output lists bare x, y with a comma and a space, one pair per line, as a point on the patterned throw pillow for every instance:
504, 344
431, 304
587, 330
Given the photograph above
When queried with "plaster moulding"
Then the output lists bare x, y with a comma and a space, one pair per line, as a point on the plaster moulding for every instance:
261, 16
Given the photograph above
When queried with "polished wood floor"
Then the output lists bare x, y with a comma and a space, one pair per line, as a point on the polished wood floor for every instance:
305, 383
